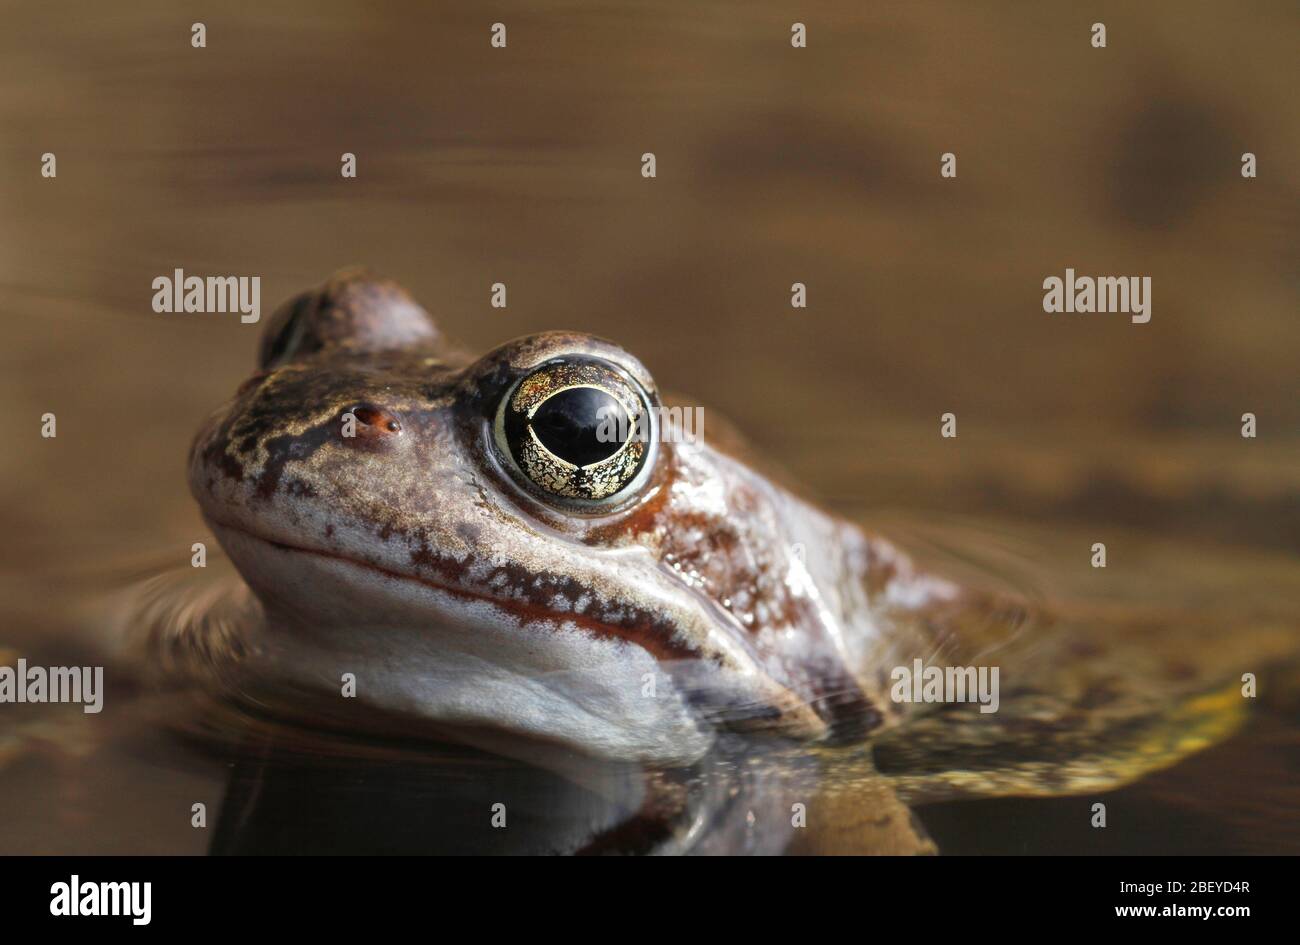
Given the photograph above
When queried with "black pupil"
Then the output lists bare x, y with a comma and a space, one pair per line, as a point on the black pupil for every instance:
581, 425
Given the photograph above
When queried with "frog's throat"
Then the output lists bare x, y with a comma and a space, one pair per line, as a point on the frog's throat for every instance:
449, 625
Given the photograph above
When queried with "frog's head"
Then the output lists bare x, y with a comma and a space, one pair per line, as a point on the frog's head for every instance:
523, 542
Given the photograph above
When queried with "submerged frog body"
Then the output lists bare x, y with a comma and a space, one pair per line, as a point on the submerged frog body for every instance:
451, 535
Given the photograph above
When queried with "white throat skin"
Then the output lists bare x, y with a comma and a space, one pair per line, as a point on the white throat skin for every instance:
423, 653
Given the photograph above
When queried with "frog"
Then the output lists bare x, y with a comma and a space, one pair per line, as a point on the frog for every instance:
452, 545
474, 496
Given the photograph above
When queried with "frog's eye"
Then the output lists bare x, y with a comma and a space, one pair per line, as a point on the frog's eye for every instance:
576, 430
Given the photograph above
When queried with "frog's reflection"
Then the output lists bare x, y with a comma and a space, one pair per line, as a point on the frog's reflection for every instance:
459, 800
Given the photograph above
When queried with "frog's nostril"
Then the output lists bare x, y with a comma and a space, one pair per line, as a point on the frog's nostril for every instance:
376, 418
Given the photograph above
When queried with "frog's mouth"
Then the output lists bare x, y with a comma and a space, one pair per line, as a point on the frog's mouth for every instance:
460, 658
644, 637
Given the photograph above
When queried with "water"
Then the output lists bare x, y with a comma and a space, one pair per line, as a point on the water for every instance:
127, 780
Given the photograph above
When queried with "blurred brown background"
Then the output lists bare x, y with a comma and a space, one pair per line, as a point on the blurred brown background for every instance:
775, 165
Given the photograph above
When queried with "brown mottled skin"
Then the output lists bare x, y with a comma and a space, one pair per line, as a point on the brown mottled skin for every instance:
415, 537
